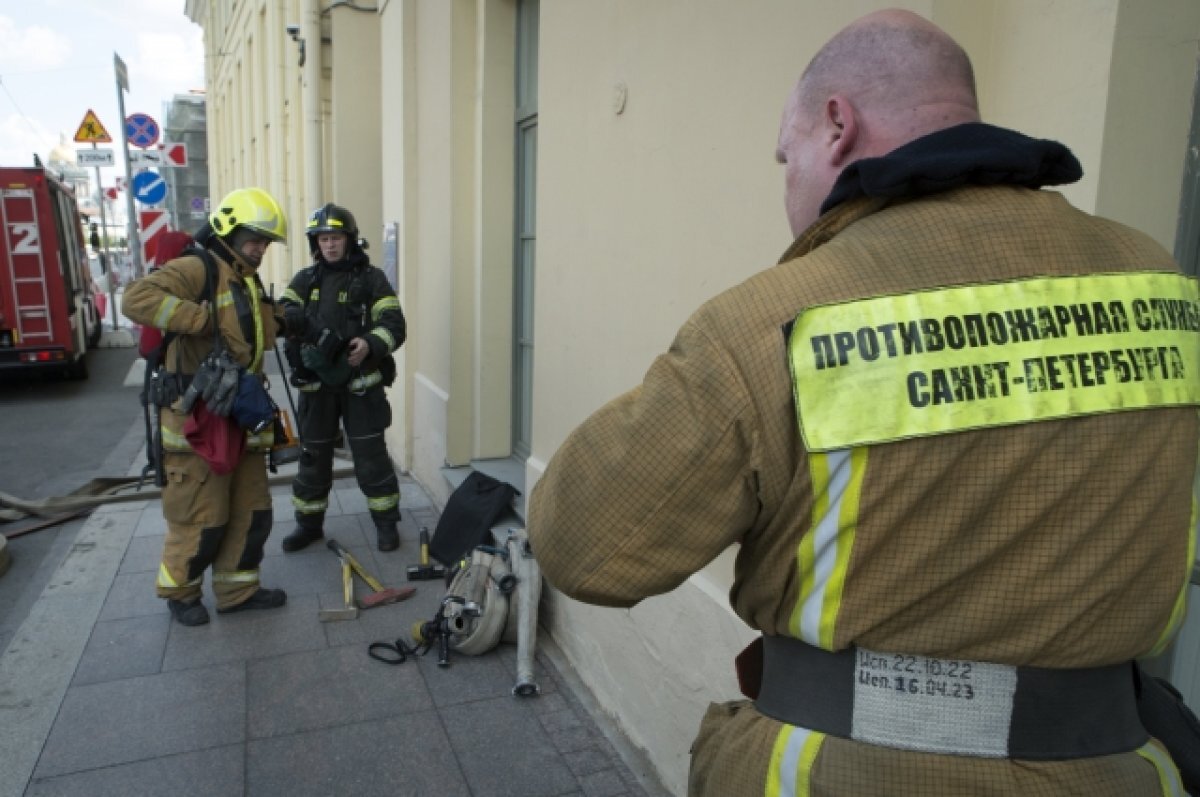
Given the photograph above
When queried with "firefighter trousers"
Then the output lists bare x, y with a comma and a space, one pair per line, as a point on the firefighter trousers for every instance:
366, 417
217, 521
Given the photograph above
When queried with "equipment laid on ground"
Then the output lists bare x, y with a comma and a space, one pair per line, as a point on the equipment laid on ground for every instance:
348, 611
379, 595
477, 612
426, 570
48, 313
473, 509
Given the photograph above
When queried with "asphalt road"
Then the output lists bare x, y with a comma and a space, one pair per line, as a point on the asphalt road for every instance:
57, 435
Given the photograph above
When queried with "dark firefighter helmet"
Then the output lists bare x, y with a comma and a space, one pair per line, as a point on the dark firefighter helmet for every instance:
332, 218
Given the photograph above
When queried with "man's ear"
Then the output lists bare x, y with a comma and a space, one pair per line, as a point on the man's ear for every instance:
842, 123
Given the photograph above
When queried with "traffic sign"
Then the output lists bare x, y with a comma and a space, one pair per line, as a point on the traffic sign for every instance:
111, 192
141, 130
153, 224
91, 131
149, 188
176, 154
94, 157
144, 158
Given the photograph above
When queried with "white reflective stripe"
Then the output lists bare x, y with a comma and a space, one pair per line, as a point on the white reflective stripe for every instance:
165, 311
235, 577
1168, 774
825, 542
791, 763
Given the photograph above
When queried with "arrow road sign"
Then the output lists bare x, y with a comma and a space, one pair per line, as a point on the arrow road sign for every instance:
149, 188
141, 130
176, 154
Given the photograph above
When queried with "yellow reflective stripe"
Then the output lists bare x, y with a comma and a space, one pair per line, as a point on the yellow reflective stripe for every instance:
383, 305
255, 310
385, 337
1180, 608
383, 503
1028, 350
823, 556
792, 757
291, 295
360, 383
166, 311
235, 577
315, 295
310, 387
174, 441
167, 582
1168, 775
224, 299
263, 438
310, 507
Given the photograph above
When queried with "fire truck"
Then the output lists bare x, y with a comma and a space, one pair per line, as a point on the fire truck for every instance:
48, 314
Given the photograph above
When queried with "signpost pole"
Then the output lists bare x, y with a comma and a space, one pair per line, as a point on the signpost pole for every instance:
135, 246
106, 262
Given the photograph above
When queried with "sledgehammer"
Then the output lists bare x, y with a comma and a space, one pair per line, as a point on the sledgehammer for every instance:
425, 570
379, 596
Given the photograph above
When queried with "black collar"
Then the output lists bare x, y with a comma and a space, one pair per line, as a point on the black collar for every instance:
967, 154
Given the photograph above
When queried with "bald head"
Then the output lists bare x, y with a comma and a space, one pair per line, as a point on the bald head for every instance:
891, 62
882, 81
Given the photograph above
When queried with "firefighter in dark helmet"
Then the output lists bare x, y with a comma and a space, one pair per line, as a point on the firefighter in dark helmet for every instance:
218, 513
344, 322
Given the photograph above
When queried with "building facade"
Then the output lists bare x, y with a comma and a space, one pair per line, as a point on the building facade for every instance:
555, 186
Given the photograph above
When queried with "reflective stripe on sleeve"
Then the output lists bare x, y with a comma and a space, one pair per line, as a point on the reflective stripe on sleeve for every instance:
166, 311
1168, 774
824, 552
383, 305
385, 337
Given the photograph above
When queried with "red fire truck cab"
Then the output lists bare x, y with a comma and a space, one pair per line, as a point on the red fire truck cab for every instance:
48, 315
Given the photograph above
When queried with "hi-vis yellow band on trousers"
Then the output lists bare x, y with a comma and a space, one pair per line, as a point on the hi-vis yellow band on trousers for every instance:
792, 760
946, 360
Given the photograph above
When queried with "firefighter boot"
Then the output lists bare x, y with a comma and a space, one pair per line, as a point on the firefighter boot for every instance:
301, 538
188, 612
263, 599
387, 536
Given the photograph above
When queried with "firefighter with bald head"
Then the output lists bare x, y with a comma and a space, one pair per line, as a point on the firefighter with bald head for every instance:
344, 322
216, 499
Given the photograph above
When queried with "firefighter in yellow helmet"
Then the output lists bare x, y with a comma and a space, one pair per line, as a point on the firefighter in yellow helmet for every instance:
216, 503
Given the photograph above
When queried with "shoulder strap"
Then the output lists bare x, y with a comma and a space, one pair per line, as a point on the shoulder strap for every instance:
154, 358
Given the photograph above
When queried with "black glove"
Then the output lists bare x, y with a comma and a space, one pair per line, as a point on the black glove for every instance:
295, 321
204, 382
225, 390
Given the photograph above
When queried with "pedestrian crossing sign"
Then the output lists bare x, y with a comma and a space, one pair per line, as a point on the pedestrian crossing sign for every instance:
91, 131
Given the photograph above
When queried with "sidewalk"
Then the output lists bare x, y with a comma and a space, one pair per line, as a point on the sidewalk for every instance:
100, 694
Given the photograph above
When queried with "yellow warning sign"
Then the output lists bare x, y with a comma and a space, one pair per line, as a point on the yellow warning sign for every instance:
91, 131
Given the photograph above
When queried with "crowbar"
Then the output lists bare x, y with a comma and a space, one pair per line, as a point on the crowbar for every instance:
379, 595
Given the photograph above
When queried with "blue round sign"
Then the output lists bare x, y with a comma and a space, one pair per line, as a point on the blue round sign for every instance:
141, 130
149, 188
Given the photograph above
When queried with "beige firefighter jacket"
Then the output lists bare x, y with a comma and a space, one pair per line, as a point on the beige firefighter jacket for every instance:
1063, 543
169, 299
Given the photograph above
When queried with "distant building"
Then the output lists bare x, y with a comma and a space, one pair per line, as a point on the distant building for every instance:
185, 122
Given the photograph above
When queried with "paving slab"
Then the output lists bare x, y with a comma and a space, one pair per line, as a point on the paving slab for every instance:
204, 773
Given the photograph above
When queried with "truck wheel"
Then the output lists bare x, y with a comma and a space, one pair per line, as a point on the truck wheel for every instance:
97, 328
78, 369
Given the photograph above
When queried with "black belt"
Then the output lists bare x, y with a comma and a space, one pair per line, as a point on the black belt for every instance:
951, 706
